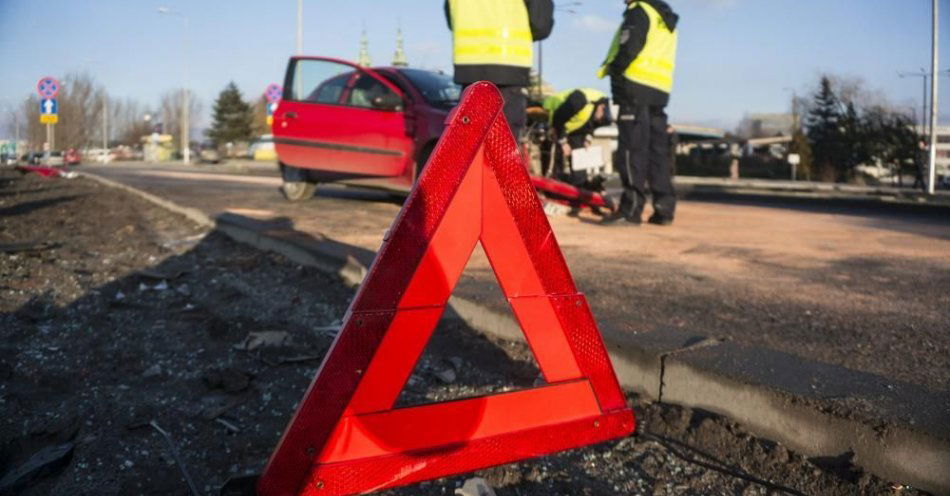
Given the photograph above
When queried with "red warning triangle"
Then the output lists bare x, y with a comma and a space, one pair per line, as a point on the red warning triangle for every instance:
347, 438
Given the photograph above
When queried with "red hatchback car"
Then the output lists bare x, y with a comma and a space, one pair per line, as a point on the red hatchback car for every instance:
371, 127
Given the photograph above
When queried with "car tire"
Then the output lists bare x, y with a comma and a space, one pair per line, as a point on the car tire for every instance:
296, 186
297, 191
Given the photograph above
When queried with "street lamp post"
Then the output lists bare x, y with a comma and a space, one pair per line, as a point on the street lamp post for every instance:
185, 104
932, 173
299, 27
105, 123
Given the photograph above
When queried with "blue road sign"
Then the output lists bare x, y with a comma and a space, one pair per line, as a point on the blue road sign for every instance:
49, 106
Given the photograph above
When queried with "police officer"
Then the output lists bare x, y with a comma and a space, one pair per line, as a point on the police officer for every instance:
640, 63
493, 42
573, 115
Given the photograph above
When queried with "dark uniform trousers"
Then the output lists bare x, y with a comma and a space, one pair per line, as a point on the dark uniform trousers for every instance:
643, 159
516, 109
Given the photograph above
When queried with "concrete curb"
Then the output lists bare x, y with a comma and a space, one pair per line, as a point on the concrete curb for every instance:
698, 189
899, 431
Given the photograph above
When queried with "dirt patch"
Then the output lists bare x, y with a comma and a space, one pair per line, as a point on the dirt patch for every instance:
119, 320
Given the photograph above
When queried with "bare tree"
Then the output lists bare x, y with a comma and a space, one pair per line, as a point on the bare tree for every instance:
129, 121
80, 111
259, 121
170, 109
35, 134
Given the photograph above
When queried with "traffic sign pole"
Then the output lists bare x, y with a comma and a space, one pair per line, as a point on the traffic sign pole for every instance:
48, 87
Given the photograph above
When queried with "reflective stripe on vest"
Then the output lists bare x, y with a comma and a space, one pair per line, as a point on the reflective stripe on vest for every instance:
491, 32
655, 64
578, 120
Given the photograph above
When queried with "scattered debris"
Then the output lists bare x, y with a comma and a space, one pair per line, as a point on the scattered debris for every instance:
298, 359
29, 246
46, 460
263, 339
177, 457
161, 286
447, 376
156, 274
333, 328
242, 485
229, 379
553, 209
476, 486
190, 240
232, 402
152, 371
228, 425
44, 171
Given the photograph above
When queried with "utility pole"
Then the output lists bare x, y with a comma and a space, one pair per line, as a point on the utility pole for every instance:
105, 123
16, 126
299, 27
185, 104
932, 173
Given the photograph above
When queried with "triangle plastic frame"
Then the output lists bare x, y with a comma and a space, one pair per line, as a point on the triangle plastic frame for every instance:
347, 438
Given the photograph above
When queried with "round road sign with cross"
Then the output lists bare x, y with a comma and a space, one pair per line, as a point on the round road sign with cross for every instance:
274, 92
48, 87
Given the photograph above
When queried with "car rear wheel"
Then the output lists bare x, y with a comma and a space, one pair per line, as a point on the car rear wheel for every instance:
296, 186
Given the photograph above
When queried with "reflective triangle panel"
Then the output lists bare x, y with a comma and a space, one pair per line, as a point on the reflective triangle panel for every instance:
346, 437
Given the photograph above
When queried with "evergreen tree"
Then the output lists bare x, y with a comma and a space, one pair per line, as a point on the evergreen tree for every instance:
800, 146
232, 117
824, 130
892, 141
857, 142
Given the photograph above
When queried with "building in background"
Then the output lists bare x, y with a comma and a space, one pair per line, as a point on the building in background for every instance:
766, 125
399, 58
943, 148
363, 59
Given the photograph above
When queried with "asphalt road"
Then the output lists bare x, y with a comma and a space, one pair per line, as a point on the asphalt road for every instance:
866, 288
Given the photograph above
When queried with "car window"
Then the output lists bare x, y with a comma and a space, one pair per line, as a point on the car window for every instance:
320, 81
436, 88
330, 90
364, 90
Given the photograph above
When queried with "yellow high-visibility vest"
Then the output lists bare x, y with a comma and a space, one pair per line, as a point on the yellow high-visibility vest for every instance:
491, 32
578, 120
655, 65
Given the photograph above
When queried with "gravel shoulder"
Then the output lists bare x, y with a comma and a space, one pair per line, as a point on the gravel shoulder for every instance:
116, 315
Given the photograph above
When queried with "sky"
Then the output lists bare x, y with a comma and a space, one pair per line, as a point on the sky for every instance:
735, 56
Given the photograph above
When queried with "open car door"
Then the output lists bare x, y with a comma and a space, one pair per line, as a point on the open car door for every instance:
341, 121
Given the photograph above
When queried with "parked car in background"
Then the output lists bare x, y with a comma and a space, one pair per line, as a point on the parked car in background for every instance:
72, 157
9, 159
55, 159
263, 148
98, 155
208, 153
365, 126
